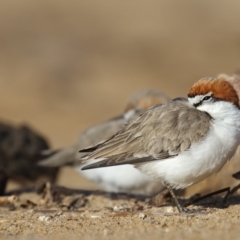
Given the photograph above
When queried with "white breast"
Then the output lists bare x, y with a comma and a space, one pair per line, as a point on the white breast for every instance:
202, 159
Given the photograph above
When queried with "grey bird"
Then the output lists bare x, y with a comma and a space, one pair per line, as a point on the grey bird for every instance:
178, 142
126, 178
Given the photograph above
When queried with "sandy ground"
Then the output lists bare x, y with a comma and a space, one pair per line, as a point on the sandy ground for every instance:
57, 214
65, 65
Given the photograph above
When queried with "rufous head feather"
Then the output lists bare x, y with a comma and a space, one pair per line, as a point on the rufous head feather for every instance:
219, 87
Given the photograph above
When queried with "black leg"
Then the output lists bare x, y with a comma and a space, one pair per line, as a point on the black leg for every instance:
230, 192
179, 207
207, 196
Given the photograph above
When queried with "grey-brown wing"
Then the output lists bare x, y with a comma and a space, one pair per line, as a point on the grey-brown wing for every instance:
159, 133
89, 137
100, 132
117, 160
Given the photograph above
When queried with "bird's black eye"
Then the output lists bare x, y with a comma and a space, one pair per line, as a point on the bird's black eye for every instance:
206, 98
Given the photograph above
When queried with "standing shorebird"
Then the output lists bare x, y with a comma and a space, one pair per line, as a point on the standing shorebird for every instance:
179, 142
115, 179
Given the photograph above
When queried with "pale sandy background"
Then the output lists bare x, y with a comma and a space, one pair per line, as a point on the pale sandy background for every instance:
65, 65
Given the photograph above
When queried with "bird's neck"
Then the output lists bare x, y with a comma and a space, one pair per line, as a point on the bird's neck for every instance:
222, 111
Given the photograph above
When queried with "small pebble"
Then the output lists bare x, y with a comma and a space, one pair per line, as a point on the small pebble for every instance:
44, 218
95, 216
142, 215
169, 209
117, 208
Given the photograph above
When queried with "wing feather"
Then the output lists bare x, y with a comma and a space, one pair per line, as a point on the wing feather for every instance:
161, 132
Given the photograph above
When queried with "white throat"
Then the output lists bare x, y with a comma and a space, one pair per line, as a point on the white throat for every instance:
222, 110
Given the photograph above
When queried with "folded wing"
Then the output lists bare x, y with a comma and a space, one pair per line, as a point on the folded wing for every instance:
159, 133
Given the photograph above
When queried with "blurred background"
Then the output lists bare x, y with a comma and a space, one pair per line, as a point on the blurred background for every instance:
66, 65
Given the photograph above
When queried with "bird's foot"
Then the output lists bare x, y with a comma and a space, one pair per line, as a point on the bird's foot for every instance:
169, 211
192, 212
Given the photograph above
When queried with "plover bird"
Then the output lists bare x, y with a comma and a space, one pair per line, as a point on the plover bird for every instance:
125, 178
223, 178
179, 142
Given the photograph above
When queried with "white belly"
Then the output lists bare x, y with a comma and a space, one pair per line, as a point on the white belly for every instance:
124, 178
202, 159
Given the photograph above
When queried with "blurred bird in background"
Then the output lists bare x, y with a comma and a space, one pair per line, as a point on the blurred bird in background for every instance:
115, 179
20, 149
